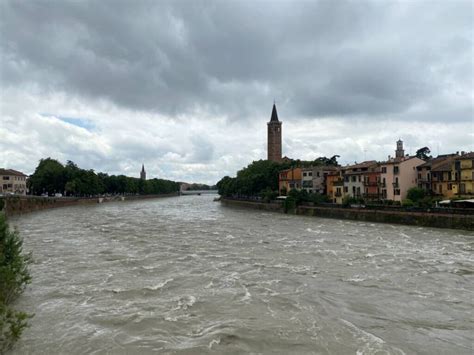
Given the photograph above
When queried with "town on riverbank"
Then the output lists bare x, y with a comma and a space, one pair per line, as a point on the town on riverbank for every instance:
403, 183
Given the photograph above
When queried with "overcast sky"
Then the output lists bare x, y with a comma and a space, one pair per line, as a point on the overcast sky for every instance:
186, 87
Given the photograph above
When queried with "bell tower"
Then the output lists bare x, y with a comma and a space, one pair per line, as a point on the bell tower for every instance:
143, 173
399, 153
274, 137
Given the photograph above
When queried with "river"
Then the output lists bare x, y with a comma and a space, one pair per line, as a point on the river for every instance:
185, 275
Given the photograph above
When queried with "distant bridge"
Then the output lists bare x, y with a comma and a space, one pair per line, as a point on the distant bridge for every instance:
198, 192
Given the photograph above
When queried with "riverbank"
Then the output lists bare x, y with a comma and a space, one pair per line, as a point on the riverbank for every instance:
425, 219
16, 205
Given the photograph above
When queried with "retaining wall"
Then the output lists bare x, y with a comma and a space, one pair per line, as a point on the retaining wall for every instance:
425, 219
14, 205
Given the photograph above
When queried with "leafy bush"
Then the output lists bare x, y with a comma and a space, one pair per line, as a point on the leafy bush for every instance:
415, 194
14, 276
348, 200
268, 195
289, 204
407, 203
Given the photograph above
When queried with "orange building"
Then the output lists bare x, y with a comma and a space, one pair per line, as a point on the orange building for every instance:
289, 179
335, 186
372, 183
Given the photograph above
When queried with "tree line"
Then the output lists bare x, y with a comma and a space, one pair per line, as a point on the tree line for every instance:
260, 178
52, 177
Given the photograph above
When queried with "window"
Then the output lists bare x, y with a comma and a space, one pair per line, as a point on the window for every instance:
346, 189
317, 173
310, 173
6, 178
384, 169
304, 174
396, 192
396, 170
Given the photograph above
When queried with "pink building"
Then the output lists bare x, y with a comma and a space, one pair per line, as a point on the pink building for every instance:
398, 175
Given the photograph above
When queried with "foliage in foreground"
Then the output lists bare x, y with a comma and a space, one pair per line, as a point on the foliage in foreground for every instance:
14, 276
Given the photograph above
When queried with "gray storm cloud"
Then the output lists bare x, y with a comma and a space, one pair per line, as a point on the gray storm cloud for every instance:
324, 58
186, 87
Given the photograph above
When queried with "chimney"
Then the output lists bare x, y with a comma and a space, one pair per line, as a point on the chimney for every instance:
462, 152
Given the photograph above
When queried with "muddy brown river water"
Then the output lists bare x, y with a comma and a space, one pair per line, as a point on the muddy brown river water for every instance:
185, 275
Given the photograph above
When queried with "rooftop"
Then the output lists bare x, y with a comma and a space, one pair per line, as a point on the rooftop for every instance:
11, 172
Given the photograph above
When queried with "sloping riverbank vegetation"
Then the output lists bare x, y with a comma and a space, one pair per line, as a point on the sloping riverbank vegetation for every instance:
53, 177
14, 276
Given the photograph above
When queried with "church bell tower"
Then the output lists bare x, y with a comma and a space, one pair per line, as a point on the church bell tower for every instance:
143, 173
274, 137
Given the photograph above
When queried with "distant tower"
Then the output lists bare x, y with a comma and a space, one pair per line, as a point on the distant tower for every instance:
399, 153
274, 137
143, 173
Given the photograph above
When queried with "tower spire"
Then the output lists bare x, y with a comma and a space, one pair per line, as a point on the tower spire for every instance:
274, 117
143, 173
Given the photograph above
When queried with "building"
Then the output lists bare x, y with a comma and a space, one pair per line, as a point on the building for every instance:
274, 137
307, 180
355, 178
143, 173
12, 181
437, 165
462, 172
398, 175
335, 186
314, 178
289, 179
372, 183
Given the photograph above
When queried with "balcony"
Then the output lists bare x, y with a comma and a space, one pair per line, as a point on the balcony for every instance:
395, 185
338, 194
382, 184
371, 183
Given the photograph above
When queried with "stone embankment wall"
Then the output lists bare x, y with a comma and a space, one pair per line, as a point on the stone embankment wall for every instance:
425, 219
14, 205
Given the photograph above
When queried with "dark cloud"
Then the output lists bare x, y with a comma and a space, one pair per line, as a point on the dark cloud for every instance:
322, 58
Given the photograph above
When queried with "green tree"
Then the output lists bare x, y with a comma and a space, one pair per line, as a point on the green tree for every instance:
49, 177
422, 153
14, 276
415, 194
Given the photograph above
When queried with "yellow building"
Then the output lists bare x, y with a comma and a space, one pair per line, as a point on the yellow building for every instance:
462, 172
12, 182
441, 176
289, 179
